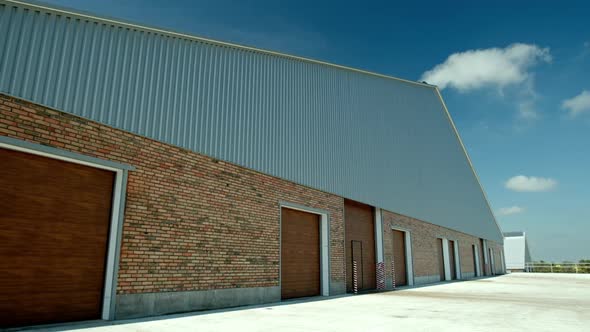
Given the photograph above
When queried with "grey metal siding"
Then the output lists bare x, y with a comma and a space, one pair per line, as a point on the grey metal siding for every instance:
377, 140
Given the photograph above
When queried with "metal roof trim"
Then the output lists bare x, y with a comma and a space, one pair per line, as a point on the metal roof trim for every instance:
468, 159
114, 21
514, 234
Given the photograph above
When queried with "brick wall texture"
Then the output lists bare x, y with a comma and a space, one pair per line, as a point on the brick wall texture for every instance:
424, 244
498, 257
195, 223
191, 222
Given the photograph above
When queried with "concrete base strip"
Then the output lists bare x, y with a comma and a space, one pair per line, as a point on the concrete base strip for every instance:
337, 288
151, 304
421, 280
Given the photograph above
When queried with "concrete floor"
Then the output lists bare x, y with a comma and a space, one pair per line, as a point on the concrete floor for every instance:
515, 302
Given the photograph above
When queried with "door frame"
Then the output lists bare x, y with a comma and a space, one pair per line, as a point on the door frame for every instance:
475, 247
447, 260
492, 262
324, 242
485, 256
457, 256
378, 222
117, 208
408, 254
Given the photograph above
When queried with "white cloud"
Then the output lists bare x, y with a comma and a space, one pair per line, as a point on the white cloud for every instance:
530, 183
506, 211
578, 104
491, 67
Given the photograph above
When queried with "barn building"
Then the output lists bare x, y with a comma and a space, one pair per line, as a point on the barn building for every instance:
147, 172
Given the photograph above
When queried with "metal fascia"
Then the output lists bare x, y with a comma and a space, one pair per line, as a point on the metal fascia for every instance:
468, 160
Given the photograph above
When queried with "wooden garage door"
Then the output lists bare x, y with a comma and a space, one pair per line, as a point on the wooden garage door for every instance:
300, 254
452, 263
441, 259
399, 257
360, 235
53, 239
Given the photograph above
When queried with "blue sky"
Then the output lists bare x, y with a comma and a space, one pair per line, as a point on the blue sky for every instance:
506, 68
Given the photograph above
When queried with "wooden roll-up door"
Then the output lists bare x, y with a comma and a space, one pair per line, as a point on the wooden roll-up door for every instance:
441, 259
399, 257
300, 254
54, 221
360, 232
452, 263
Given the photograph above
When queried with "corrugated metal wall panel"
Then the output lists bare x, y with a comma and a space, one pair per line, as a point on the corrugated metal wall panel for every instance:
378, 140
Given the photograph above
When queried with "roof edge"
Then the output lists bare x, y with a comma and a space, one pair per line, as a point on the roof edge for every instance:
468, 160
35, 5
514, 234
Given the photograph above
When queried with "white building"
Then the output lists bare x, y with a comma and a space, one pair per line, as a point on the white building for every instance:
516, 251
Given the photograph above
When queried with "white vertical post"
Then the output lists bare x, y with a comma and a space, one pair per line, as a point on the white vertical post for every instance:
492, 262
378, 235
409, 259
477, 262
485, 257
457, 260
108, 291
325, 251
380, 265
447, 263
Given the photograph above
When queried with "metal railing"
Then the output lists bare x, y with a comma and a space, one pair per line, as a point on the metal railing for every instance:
558, 267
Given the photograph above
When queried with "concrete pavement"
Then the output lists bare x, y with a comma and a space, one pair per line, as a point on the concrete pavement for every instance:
515, 302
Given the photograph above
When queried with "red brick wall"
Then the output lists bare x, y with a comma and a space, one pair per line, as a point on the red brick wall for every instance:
497, 248
424, 244
191, 222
